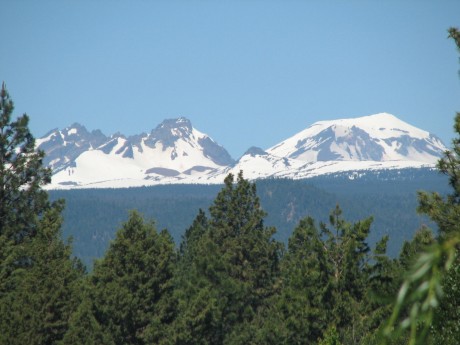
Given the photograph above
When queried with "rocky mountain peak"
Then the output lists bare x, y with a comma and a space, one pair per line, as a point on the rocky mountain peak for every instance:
169, 131
62, 147
175, 127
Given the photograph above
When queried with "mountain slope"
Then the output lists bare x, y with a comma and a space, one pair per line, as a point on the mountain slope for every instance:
62, 147
91, 217
175, 152
381, 137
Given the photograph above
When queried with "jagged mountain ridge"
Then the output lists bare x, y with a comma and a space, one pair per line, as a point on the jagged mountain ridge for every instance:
175, 152
62, 147
173, 148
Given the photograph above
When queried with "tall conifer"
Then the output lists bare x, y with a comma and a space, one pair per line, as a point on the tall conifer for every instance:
22, 174
132, 284
233, 269
38, 277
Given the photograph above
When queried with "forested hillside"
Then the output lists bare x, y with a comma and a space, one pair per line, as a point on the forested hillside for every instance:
92, 216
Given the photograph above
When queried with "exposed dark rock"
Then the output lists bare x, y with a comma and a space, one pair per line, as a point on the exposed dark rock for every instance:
169, 131
108, 147
163, 171
215, 152
255, 151
197, 168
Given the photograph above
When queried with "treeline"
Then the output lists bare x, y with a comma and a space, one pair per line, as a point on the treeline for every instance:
91, 217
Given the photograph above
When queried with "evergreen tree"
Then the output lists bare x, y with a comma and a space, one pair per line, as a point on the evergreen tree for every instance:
327, 281
436, 270
41, 295
245, 244
298, 314
38, 277
446, 212
331, 337
132, 284
347, 255
197, 298
21, 174
22, 200
83, 327
192, 236
410, 250
384, 276
233, 268
446, 321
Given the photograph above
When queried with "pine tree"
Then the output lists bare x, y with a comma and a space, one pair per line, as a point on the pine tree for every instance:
331, 337
41, 295
326, 279
236, 226
38, 277
197, 298
232, 271
83, 327
347, 255
192, 236
22, 200
132, 284
384, 276
298, 314
21, 174
410, 250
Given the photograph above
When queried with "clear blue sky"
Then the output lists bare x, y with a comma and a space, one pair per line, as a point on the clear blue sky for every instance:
245, 72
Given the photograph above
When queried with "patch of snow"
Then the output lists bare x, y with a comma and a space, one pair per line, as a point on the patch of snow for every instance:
40, 141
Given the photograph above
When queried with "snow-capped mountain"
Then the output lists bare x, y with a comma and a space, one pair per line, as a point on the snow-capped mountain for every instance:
62, 147
381, 137
175, 152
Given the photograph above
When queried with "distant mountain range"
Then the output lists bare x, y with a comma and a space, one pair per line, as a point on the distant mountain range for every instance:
175, 152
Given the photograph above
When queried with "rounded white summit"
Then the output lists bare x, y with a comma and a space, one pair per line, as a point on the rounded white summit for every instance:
379, 137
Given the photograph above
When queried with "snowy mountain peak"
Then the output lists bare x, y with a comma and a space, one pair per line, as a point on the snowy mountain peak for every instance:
380, 137
174, 149
62, 147
170, 130
379, 125
179, 136
180, 123
176, 152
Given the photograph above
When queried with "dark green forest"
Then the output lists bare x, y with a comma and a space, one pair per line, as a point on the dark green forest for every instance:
229, 279
92, 216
